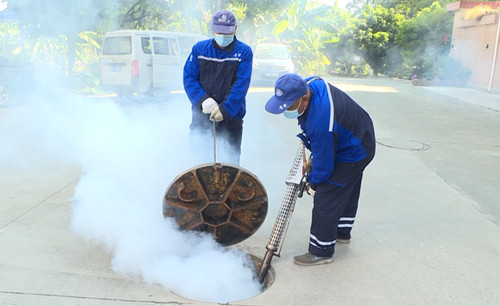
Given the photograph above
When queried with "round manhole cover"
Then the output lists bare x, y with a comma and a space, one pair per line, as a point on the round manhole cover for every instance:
224, 200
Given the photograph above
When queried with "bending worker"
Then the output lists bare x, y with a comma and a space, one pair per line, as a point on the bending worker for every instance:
216, 80
341, 138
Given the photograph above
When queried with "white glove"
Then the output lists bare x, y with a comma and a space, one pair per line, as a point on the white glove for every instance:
216, 115
309, 190
208, 105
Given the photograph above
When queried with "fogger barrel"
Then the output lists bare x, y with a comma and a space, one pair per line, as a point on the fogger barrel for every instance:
293, 182
222, 199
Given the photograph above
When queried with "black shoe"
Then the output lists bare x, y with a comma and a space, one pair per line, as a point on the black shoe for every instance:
309, 259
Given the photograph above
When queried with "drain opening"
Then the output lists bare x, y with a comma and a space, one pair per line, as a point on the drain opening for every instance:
268, 281
401, 144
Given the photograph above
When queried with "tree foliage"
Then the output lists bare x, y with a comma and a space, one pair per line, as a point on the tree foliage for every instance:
422, 39
374, 36
391, 37
51, 25
146, 15
408, 8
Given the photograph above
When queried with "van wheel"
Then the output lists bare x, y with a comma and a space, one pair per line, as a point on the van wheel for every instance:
150, 92
4, 95
148, 95
162, 94
125, 94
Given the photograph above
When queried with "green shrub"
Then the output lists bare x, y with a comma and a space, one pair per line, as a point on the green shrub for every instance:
451, 69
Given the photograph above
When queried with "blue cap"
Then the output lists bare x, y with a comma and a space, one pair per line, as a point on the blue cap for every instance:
288, 88
223, 22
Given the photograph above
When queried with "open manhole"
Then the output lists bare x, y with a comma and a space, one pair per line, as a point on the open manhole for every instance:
268, 281
402, 144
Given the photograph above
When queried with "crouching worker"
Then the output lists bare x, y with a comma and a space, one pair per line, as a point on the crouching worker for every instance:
340, 135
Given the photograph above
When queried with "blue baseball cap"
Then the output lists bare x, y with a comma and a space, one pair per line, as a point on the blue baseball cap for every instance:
288, 88
223, 22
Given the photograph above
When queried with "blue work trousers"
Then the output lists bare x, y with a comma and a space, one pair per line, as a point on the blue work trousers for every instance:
335, 207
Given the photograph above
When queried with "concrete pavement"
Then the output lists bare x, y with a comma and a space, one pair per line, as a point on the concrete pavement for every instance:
427, 230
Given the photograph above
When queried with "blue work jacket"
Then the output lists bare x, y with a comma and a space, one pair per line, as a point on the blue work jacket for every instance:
222, 74
334, 129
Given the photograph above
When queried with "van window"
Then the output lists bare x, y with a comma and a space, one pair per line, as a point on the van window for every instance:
146, 45
161, 45
173, 46
117, 45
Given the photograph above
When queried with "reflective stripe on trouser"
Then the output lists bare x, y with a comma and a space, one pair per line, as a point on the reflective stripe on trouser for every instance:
335, 209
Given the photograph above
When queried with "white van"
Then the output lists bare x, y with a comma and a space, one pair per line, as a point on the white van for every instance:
130, 63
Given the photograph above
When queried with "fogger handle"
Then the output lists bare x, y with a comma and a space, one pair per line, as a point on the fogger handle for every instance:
303, 184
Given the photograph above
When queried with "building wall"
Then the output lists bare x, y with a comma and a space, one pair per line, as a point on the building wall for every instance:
473, 44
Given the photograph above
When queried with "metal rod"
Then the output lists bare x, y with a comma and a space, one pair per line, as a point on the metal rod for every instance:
215, 145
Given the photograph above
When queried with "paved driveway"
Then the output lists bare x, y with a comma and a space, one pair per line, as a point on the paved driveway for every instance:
82, 181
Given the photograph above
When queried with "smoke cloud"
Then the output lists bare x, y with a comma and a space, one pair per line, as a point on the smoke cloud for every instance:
129, 154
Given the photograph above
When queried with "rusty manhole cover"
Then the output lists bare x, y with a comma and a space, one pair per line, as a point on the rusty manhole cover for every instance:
224, 200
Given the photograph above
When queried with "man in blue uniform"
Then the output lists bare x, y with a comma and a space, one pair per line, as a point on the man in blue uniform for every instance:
341, 138
216, 80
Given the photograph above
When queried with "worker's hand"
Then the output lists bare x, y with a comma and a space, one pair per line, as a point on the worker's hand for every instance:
309, 189
216, 115
309, 165
208, 105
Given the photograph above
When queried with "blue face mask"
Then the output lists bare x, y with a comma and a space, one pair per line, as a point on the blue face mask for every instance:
224, 40
294, 114
291, 114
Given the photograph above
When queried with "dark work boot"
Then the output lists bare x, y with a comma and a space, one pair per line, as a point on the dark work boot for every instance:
309, 259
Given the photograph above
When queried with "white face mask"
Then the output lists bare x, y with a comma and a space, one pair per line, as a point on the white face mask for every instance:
224, 40
294, 114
